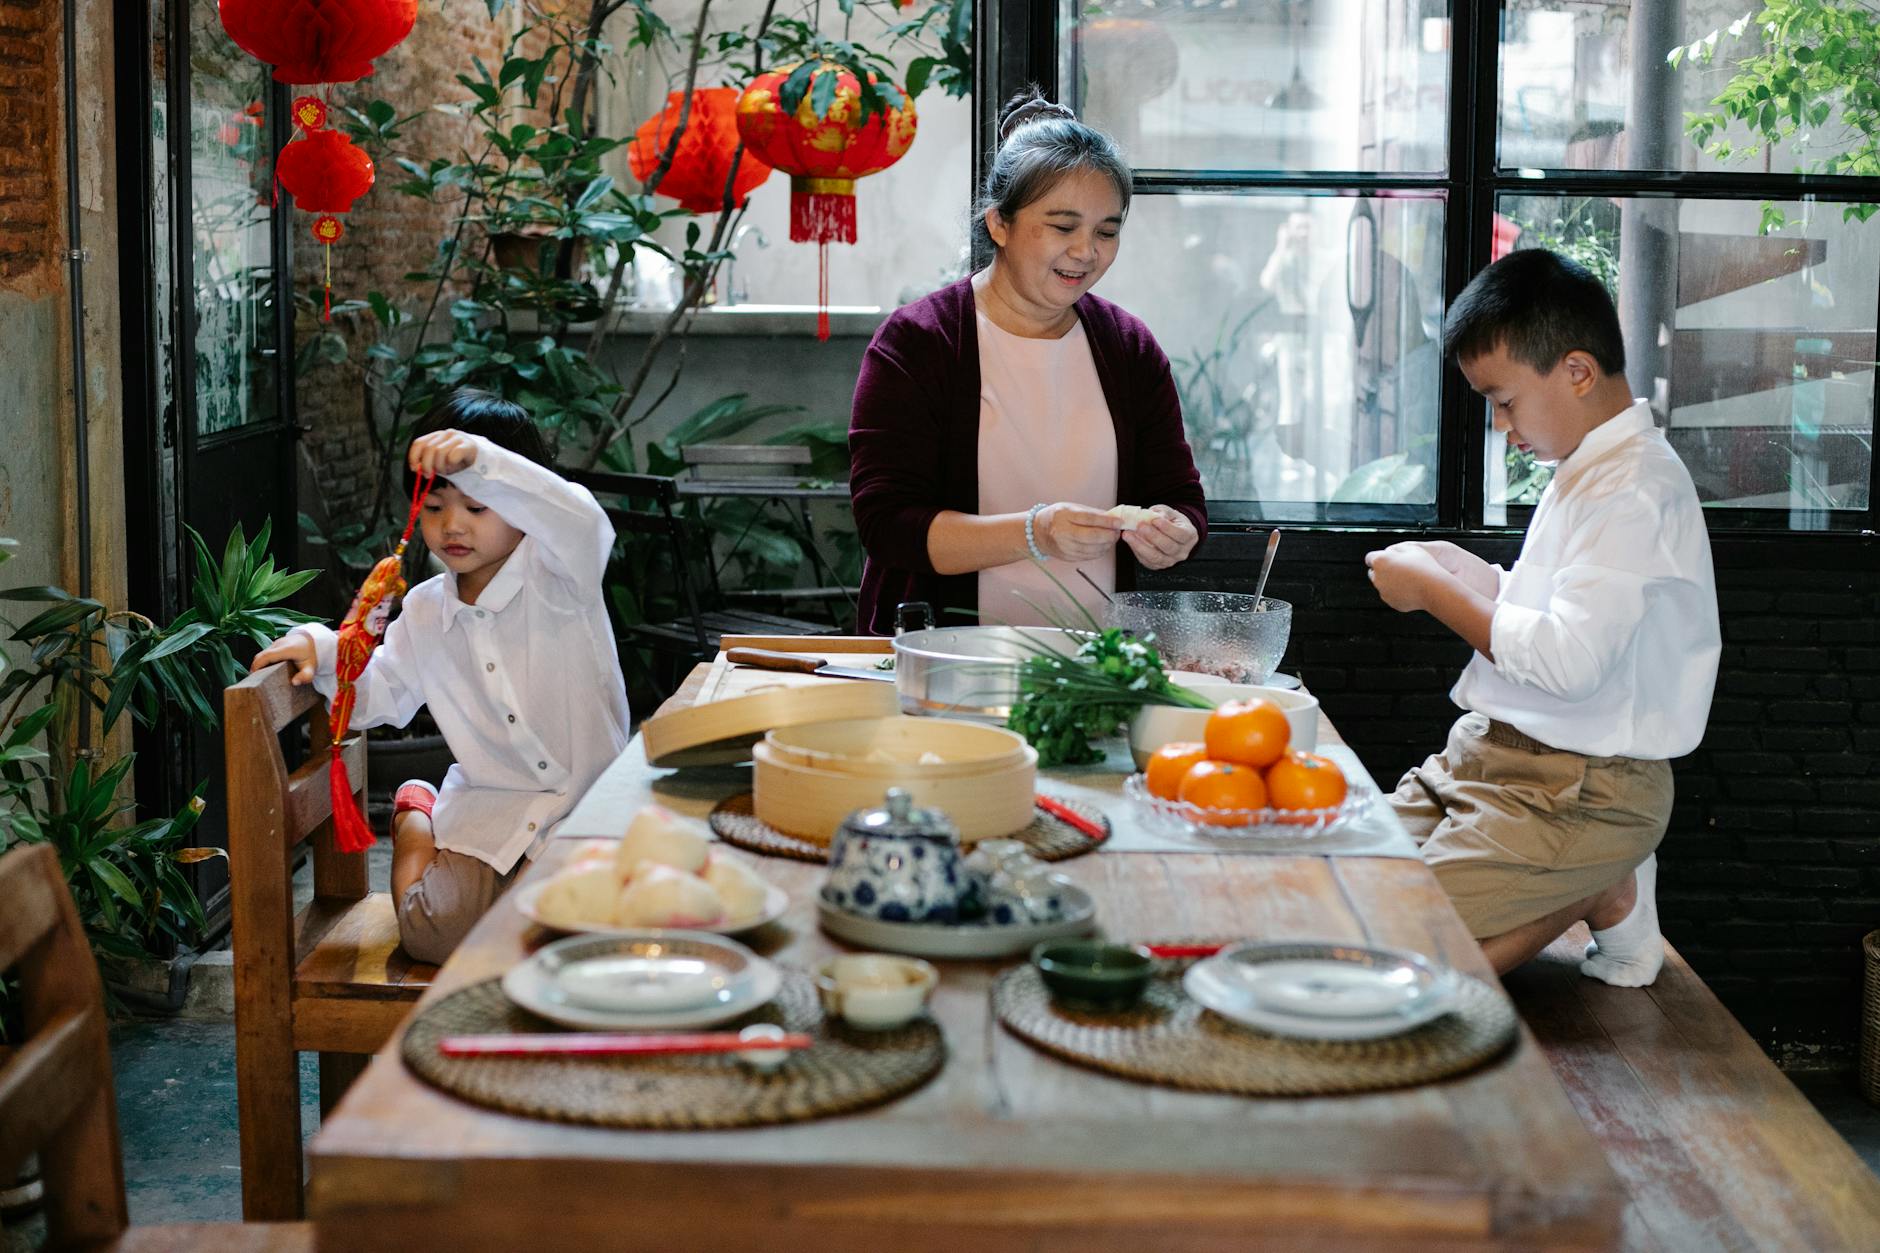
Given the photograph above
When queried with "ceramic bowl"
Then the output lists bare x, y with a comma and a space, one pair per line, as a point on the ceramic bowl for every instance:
1092, 972
1156, 725
875, 991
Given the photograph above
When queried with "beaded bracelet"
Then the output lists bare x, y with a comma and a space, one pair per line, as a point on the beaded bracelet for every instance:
1031, 541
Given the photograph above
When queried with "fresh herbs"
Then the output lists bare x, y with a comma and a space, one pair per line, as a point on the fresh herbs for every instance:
1065, 702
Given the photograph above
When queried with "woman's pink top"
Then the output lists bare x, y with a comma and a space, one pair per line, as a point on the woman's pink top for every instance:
1045, 435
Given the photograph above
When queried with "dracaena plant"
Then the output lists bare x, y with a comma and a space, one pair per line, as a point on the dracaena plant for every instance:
82, 657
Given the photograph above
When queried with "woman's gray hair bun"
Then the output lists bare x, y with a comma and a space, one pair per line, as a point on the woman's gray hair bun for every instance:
1035, 109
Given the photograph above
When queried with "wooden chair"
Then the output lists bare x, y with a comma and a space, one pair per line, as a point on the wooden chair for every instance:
331, 979
56, 1095
650, 505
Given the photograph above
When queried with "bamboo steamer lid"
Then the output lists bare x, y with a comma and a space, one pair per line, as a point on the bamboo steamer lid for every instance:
810, 804
721, 732
891, 748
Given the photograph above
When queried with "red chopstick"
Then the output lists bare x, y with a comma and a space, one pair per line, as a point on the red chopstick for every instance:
1058, 809
1184, 950
604, 1044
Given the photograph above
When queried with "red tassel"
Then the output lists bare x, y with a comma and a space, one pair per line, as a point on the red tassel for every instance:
351, 833
822, 292
822, 217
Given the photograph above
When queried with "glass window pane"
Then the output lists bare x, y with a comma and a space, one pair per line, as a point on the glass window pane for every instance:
1304, 336
1757, 351
1590, 85
1300, 86
230, 171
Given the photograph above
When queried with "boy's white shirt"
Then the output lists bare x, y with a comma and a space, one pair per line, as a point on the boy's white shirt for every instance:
1605, 632
525, 684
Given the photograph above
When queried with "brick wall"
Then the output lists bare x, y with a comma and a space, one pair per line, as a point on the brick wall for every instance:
1771, 867
388, 234
29, 92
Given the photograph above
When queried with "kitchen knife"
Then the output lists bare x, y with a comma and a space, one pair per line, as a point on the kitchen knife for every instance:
765, 659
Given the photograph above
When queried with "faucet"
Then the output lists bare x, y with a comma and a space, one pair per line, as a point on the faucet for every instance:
735, 295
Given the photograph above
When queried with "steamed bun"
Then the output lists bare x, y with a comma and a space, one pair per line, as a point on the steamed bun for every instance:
660, 896
580, 897
658, 835
743, 892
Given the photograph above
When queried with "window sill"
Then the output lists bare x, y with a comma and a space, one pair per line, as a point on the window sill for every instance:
770, 321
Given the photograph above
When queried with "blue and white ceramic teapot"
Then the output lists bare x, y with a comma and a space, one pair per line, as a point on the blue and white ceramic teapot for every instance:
898, 864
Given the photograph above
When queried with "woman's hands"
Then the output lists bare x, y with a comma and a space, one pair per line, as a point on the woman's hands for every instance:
442, 453
296, 649
1164, 540
1074, 533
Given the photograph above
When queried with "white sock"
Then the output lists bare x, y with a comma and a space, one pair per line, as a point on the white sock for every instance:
1629, 954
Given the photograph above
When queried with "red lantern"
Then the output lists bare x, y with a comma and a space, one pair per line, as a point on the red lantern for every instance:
318, 41
325, 172
702, 160
823, 155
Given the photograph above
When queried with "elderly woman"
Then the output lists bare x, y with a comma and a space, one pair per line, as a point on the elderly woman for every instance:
1000, 420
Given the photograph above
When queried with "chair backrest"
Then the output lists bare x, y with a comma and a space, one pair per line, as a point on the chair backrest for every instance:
56, 1097
620, 494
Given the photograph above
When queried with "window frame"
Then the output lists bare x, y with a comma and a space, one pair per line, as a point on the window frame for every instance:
1018, 44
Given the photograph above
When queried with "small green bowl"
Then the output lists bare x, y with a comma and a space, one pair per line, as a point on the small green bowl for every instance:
1093, 973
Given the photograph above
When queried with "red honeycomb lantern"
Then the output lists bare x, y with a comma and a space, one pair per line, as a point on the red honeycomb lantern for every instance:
702, 161
325, 172
318, 41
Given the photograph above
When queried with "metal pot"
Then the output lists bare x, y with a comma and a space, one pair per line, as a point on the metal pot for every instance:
969, 672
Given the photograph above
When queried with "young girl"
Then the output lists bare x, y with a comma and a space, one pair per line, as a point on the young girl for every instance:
511, 651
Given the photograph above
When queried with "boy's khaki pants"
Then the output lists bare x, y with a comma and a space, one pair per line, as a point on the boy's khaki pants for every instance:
439, 909
1515, 829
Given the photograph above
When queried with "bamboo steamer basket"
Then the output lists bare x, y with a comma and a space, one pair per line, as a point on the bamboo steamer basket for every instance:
966, 749
721, 732
810, 803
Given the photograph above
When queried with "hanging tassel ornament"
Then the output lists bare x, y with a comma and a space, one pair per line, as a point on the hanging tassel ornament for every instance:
359, 634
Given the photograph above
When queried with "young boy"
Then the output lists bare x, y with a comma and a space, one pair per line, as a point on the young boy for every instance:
1595, 655
510, 649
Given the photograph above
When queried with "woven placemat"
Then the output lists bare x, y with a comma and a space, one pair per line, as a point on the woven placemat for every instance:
845, 1070
1169, 1039
1049, 838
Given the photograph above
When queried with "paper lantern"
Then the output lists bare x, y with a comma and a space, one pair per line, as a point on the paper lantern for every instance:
822, 155
325, 172
318, 41
702, 160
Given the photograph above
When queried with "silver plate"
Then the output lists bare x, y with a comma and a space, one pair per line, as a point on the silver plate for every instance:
535, 986
1323, 991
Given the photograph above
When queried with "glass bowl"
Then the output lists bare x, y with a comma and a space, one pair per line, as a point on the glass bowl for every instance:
1182, 818
1238, 637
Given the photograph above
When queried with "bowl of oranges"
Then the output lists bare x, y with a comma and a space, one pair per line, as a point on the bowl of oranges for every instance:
1244, 777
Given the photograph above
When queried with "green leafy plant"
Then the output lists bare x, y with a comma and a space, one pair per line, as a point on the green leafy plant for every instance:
82, 656
1802, 62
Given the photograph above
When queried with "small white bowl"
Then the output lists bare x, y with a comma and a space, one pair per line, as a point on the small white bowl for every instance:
1156, 725
875, 991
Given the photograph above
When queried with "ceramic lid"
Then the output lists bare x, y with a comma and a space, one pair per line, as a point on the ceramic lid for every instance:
899, 816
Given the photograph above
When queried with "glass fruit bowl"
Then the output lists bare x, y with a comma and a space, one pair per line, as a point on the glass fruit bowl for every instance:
1183, 818
1238, 637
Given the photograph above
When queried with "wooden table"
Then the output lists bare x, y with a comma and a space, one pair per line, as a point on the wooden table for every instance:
1006, 1149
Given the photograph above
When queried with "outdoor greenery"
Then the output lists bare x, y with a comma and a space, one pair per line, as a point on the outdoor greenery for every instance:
1804, 60
526, 205
84, 659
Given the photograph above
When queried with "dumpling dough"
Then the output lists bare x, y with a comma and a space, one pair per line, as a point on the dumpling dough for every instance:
1133, 516
658, 835
743, 892
581, 897
660, 896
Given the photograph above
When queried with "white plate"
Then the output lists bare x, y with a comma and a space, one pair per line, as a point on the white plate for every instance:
966, 942
528, 899
627, 983
535, 986
1322, 991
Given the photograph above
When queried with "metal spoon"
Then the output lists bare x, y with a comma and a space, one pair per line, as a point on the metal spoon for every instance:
1266, 568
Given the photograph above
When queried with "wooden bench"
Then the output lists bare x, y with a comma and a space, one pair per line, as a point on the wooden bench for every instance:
56, 1094
332, 979
1716, 1148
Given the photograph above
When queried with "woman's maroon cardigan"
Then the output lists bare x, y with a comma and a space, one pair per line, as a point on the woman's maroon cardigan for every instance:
914, 442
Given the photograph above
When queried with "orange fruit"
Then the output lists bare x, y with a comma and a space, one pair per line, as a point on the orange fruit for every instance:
1168, 764
1248, 733
1221, 786
1304, 781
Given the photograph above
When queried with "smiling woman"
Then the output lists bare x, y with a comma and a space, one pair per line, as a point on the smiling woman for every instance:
1000, 421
